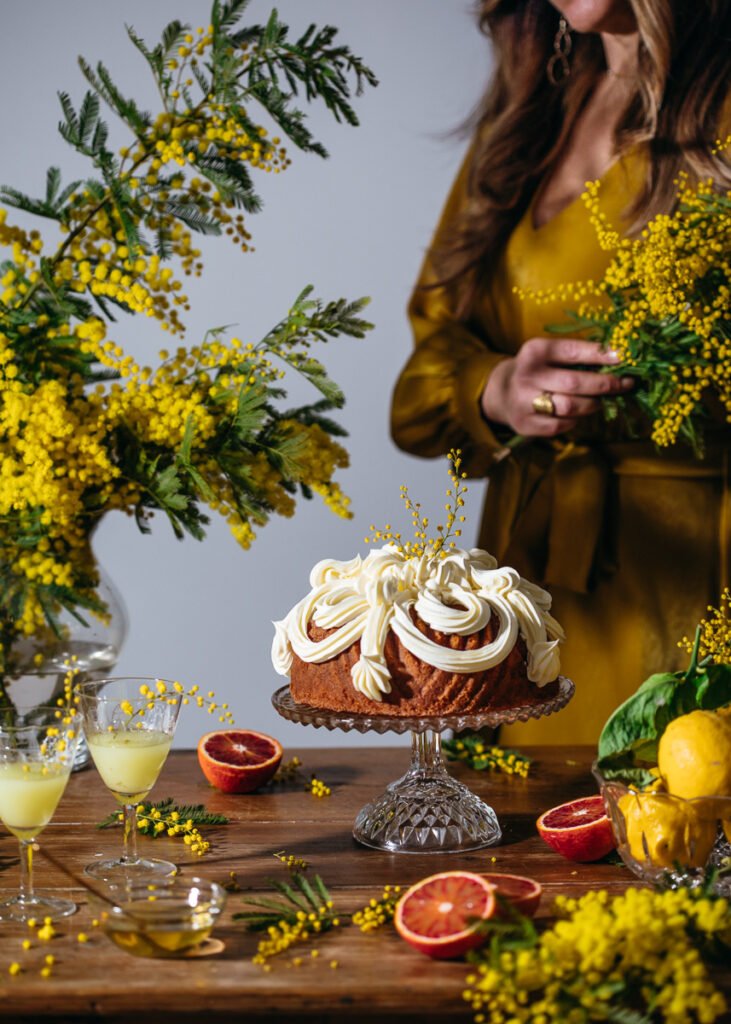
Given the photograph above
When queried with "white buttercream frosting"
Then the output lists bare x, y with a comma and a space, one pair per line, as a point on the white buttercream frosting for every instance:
363, 598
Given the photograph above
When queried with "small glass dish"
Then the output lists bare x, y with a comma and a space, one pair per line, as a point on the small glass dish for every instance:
165, 917
668, 841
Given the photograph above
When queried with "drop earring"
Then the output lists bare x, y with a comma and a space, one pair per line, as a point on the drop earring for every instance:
558, 68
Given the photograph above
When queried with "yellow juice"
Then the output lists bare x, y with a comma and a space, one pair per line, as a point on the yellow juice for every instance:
29, 794
129, 762
143, 931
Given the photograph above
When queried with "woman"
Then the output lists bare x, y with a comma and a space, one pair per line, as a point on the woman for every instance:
631, 543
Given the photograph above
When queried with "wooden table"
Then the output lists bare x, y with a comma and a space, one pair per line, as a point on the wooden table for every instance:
378, 976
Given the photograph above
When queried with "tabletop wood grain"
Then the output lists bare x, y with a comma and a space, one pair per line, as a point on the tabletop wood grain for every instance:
378, 977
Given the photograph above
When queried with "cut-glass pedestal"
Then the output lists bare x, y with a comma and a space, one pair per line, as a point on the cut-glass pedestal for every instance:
426, 810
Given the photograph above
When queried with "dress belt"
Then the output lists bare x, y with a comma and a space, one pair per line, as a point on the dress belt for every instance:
547, 506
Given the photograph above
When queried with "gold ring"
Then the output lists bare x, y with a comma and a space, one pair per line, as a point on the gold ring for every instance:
543, 404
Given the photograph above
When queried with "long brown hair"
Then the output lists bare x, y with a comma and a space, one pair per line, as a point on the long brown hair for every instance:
523, 122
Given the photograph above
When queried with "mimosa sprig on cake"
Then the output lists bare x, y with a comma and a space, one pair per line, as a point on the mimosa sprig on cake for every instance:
664, 305
84, 427
447, 533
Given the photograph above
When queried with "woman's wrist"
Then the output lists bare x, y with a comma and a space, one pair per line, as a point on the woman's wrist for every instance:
492, 400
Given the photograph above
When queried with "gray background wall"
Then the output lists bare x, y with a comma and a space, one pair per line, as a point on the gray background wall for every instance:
356, 224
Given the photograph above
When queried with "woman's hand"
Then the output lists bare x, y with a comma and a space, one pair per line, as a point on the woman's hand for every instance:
550, 366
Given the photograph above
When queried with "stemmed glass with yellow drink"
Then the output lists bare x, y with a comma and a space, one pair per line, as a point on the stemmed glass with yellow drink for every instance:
35, 764
129, 723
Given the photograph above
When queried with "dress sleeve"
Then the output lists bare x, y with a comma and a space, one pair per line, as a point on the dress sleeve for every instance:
436, 400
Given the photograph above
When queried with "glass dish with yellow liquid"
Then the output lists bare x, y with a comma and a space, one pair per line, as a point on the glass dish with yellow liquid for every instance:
167, 917
129, 735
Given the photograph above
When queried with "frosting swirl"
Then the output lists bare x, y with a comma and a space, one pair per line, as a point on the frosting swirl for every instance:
363, 598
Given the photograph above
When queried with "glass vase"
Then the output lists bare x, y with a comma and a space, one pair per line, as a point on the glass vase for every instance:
89, 645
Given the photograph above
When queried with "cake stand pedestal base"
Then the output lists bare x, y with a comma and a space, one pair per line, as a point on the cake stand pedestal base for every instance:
427, 811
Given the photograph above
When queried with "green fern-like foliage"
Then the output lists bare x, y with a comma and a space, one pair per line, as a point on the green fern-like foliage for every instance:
84, 429
195, 813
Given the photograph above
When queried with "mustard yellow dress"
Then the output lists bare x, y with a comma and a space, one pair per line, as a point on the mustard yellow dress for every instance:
632, 543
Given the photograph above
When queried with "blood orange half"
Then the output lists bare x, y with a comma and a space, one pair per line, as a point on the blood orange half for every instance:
524, 894
440, 915
578, 830
238, 760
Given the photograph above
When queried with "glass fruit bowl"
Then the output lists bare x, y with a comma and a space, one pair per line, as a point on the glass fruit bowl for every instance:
165, 917
666, 840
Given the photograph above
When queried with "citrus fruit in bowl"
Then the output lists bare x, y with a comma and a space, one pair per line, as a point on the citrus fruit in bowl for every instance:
441, 915
579, 830
665, 829
659, 833
238, 760
694, 760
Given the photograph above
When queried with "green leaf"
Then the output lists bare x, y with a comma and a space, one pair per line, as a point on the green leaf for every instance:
172, 37
625, 1015
101, 82
636, 719
251, 412
284, 453
186, 445
630, 737
39, 207
70, 128
231, 178
152, 58
291, 895
204, 83
88, 116
99, 141
299, 897
190, 215
316, 374
307, 890
196, 813
53, 183
122, 201
115, 818
169, 489
224, 15
713, 687
322, 891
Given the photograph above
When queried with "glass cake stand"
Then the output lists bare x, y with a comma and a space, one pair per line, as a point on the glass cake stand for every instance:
426, 810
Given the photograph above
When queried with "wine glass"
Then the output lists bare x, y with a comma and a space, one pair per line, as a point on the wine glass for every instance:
129, 724
35, 763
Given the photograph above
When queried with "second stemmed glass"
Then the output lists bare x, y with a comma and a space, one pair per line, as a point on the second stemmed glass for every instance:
129, 734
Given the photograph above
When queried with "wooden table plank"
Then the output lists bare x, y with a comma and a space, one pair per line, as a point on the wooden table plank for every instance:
378, 976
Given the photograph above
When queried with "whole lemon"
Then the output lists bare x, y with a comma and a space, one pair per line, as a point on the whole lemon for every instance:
666, 830
694, 757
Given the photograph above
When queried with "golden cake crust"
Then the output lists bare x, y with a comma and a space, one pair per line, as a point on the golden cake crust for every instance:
419, 689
